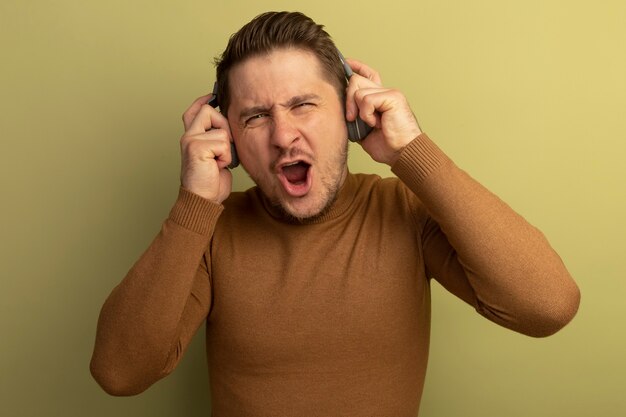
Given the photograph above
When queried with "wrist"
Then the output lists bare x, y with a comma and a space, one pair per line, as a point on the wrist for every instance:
194, 212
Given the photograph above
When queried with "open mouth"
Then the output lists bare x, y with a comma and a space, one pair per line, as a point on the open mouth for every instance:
295, 178
297, 172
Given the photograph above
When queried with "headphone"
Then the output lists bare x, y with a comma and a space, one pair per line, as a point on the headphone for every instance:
357, 130
234, 163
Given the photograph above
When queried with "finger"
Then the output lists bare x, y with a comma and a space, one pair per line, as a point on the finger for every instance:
213, 135
222, 154
193, 110
356, 83
362, 76
364, 70
208, 118
213, 145
372, 102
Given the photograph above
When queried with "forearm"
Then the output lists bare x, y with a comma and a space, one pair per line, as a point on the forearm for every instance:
149, 318
516, 278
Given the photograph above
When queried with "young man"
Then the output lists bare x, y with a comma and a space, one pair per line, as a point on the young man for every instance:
315, 284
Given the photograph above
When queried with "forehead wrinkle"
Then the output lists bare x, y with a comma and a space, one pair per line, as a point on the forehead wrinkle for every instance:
299, 99
253, 92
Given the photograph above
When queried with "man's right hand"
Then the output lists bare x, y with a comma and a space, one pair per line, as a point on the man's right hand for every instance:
205, 152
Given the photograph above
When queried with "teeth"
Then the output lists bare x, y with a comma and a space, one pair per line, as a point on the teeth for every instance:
291, 164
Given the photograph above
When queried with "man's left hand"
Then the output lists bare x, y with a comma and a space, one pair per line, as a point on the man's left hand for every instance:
386, 110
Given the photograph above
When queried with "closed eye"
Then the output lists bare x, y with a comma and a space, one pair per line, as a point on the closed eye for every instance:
304, 106
255, 119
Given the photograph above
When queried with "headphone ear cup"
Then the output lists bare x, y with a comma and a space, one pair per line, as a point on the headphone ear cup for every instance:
358, 130
234, 157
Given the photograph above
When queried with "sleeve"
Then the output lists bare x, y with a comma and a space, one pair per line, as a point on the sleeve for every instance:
148, 320
478, 248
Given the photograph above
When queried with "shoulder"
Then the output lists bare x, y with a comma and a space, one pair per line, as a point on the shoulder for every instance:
240, 203
391, 188
389, 197
239, 199
240, 215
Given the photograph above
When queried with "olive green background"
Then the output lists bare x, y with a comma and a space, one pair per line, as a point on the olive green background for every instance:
528, 96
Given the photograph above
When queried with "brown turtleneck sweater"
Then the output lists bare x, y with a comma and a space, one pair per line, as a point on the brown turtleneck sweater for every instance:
330, 317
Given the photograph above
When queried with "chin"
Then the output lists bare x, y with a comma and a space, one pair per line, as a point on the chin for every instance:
302, 211
308, 207
315, 203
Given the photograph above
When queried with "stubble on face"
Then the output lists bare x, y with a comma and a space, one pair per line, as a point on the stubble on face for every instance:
336, 171
301, 118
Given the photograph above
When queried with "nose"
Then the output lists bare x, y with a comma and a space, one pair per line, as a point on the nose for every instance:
284, 131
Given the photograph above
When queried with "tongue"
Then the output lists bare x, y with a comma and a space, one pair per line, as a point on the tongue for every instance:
296, 173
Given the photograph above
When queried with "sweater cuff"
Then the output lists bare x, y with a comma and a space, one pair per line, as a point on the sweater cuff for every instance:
418, 160
195, 213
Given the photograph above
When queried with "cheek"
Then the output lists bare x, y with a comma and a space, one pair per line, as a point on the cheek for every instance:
337, 123
334, 133
252, 154
328, 127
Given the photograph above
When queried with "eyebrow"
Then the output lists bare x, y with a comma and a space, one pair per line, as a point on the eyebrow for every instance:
251, 111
